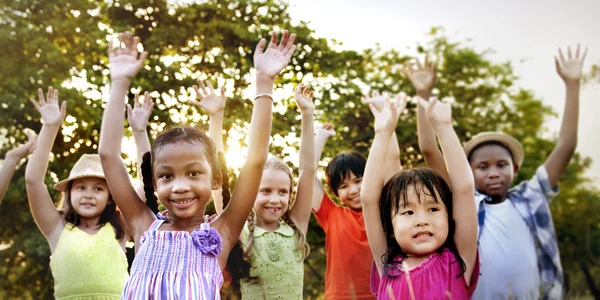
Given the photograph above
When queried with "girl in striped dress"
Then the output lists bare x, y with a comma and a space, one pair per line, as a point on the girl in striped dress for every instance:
182, 257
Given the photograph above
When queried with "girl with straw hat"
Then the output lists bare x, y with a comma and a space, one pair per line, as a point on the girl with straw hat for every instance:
87, 240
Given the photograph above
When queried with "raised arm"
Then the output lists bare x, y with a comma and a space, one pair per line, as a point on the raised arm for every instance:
43, 210
124, 63
300, 212
569, 70
268, 62
322, 135
214, 105
12, 159
374, 179
461, 182
138, 117
393, 164
423, 80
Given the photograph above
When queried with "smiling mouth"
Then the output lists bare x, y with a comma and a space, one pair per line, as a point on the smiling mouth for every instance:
273, 210
184, 201
423, 234
495, 185
87, 205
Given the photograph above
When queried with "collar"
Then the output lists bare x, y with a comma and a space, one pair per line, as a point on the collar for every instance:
284, 229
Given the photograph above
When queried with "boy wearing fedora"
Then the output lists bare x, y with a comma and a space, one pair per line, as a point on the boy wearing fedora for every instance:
517, 241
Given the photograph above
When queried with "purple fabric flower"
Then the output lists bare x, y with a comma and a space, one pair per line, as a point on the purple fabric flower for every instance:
207, 240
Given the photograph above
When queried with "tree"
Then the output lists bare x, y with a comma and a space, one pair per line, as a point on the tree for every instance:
63, 44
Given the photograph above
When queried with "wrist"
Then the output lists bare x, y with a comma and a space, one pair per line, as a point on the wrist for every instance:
121, 82
12, 159
264, 85
138, 131
425, 94
573, 83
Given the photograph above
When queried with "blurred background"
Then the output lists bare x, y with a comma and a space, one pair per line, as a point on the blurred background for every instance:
494, 61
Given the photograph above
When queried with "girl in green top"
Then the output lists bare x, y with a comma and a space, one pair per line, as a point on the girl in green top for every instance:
274, 237
87, 238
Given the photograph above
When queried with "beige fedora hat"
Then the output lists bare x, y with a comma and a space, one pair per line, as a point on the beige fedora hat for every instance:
88, 165
511, 143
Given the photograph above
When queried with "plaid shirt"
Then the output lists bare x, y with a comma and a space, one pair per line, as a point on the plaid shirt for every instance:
531, 199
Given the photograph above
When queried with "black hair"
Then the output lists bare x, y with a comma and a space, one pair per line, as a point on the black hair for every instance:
174, 135
490, 143
341, 166
108, 215
394, 196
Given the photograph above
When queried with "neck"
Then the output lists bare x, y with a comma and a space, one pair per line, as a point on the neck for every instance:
497, 199
268, 226
178, 224
92, 223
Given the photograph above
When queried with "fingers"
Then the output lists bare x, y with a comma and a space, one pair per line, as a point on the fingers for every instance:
273, 42
35, 104
419, 66
401, 101
328, 126
373, 110
210, 87
560, 54
569, 54
129, 112
203, 87
223, 92
284, 40
41, 97
55, 96
260, 47
63, 109
427, 66
198, 93
557, 64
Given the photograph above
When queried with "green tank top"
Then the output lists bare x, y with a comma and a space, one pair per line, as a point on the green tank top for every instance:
276, 262
88, 266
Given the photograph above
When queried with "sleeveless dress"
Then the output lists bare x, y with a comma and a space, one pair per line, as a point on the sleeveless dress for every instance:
85, 266
435, 278
277, 263
176, 265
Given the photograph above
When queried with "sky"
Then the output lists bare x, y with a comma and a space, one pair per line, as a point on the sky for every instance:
526, 32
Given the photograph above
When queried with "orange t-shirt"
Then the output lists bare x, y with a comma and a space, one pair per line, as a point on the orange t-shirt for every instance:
349, 257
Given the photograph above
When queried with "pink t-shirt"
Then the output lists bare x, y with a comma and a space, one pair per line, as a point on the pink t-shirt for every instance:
439, 273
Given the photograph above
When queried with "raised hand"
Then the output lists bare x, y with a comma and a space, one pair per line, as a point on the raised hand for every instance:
422, 77
212, 103
326, 130
271, 61
52, 115
376, 99
139, 115
304, 99
570, 69
438, 113
387, 118
22, 151
124, 61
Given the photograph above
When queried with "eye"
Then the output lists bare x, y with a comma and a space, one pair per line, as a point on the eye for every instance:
502, 164
483, 167
195, 173
283, 192
165, 176
99, 189
265, 191
358, 180
341, 187
434, 209
408, 213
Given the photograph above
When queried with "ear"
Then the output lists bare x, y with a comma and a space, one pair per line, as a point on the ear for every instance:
217, 181
516, 169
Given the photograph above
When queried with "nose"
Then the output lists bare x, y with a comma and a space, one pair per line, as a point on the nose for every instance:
421, 220
493, 173
354, 188
180, 186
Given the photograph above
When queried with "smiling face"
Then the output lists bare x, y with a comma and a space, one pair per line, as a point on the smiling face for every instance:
421, 225
184, 180
493, 170
349, 191
89, 197
273, 198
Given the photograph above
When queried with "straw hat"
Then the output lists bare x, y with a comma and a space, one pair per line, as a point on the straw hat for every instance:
511, 143
88, 165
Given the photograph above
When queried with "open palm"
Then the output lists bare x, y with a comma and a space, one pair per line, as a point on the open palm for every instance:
123, 61
437, 112
270, 61
571, 67
139, 115
210, 101
422, 77
52, 114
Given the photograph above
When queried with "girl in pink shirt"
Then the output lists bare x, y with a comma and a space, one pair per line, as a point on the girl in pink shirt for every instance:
423, 248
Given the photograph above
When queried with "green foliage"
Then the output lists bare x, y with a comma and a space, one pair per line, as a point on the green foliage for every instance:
50, 42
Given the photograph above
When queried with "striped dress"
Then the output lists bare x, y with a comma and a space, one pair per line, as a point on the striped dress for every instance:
176, 265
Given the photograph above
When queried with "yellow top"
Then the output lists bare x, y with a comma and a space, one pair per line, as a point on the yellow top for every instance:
88, 266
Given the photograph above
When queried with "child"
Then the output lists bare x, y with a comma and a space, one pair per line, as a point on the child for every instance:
517, 240
347, 248
274, 237
182, 257
422, 233
87, 240
12, 159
